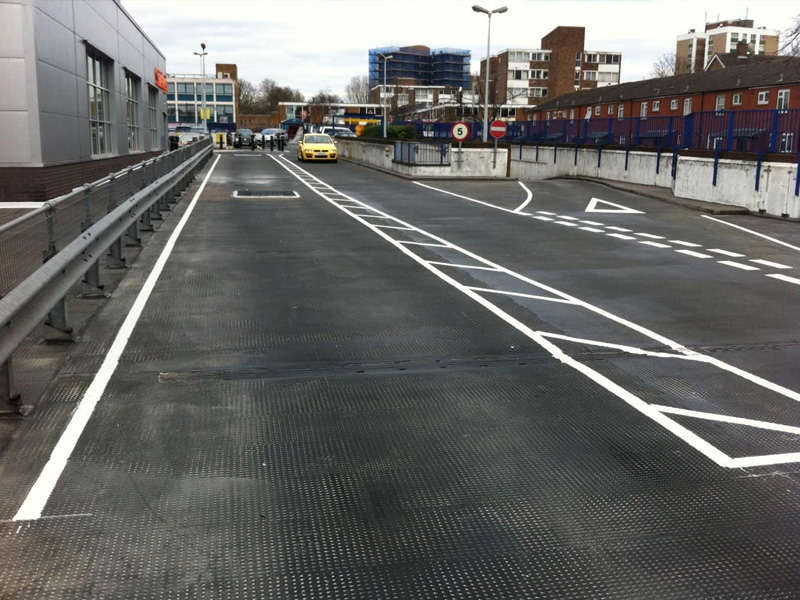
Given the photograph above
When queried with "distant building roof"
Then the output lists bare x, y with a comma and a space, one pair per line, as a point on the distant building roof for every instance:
733, 60
752, 75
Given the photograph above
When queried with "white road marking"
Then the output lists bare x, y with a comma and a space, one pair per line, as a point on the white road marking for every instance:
766, 237
392, 226
725, 252
38, 495
430, 187
622, 229
656, 244
651, 236
769, 263
521, 295
543, 218
593, 229
423, 244
726, 419
18, 205
786, 278
695, 254
569, 218
567, 223
378, 217
687, 244
527, 200
541, 338
458, 266
544, 212
618, 208
761, 461
594, 223
621, 236
736, 265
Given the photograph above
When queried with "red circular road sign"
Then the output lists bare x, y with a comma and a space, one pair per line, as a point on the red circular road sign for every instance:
460, 131
498, 129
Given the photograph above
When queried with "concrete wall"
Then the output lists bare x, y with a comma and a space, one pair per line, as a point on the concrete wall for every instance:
476, 162
44, 106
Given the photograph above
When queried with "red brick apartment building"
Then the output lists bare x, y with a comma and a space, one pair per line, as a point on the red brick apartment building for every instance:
771, 84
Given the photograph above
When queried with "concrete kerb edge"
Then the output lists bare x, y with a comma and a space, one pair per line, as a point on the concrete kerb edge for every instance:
424, 177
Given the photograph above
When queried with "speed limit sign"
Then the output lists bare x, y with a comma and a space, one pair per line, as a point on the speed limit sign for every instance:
460, 131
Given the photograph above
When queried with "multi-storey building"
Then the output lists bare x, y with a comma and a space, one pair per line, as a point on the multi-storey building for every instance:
524, 76
419, 65
185, 97
695, 49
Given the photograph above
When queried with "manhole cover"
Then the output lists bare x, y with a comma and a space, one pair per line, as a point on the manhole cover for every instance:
265, 194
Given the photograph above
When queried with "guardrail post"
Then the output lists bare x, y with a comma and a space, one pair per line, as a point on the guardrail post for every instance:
9, 399
56, 326
132, 239
91, 285
114, 258
145, 223
50, 250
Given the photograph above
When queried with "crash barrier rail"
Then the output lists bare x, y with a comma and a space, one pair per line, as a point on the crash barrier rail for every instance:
69, 235
422, 153
754, 131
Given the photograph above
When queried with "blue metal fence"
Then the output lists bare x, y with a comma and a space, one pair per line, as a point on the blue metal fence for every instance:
740, 130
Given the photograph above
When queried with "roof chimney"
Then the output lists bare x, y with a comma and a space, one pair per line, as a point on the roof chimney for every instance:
741, 49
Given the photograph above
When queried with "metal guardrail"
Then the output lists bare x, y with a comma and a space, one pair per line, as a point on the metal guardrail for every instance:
422, 153
70, 235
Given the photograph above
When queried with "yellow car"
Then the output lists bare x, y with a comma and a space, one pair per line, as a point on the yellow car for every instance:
317, 146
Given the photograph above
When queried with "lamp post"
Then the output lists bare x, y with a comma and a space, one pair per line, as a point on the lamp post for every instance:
489, 13
202, 56
383, 98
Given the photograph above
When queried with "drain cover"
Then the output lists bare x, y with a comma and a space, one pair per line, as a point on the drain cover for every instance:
265, 194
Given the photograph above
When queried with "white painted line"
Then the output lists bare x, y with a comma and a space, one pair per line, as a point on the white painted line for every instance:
378, 217
695, 254
521, 295
766, 237
687, 436
621, 236
457, 266
687, 244
619, 229
593, 229
618, 208
430, 187
249, 155
543, 218
769, 263
741, 266
570, 218
38, 495
785, 278
527, 200
18, 205
761, 461
567, 223
651, 236
725, 252
656, 244
423, 244
544, 212
594, 223
622, 347
726, 419
392, 226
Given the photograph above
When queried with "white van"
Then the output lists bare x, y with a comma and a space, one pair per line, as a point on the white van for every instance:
332, 131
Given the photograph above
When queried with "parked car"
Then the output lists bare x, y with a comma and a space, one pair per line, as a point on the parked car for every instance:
243, 138
345, 134
317, 146
331, 130
267, 134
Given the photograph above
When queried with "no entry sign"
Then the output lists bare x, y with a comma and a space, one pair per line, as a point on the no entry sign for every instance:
498, 129
460, 131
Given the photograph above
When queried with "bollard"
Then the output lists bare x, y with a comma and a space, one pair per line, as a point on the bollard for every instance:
271, 143
263, 142
221, 147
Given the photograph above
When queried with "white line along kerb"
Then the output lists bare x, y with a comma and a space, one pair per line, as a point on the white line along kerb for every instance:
37, 497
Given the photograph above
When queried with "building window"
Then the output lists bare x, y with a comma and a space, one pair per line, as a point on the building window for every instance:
171, 89
787, 143
737, 100
578, 59
519, 57
152, 113
591, 58
720, 105
518, 75
99, 104
540, 74
224, 89
763, 97
132, 111
673, 104
186, 89
656, 105
611, 109
596, 110
643, 113
783, 99
540, 56
590, 75
571, 115
620, 112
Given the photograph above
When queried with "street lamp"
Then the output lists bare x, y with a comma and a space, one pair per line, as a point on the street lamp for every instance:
202, 56
383, 96
489, 13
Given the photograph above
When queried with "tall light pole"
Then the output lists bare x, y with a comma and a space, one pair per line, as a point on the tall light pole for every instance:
202, 56
386, 59
489, 13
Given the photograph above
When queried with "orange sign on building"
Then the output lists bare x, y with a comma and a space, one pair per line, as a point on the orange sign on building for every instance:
161, 81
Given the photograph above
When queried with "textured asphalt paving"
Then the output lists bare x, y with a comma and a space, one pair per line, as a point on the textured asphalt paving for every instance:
304, 411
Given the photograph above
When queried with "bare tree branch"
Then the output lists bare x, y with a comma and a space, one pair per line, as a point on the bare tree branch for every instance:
668, 65
357, 91
791, 39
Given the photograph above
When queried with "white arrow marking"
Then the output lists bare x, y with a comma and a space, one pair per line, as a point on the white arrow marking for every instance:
618, 209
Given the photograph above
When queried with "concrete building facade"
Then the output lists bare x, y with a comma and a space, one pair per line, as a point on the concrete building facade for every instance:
420, 65
185, 97
694, 49
83, 95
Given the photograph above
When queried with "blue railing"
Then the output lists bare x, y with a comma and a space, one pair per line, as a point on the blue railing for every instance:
734, 130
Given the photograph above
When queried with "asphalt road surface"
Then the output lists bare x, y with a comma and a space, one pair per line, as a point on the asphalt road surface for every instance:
369, 387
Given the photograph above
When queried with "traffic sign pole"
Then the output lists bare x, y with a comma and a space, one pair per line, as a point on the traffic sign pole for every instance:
460, 132
498, 129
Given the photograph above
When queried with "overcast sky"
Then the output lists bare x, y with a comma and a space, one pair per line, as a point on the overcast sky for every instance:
320, 44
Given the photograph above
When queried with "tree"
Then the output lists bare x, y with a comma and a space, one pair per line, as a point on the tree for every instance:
357, 91
325, 97
791, 39
270, 94
668, 65
246, 97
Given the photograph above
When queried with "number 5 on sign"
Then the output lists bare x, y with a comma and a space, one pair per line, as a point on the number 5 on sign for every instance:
460, 131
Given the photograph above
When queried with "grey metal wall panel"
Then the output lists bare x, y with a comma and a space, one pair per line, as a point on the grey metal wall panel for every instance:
15, 126
106, 9
131, 59
11, 26
54, 42
84, 139
130, 32
59, 10
59, 136
91, 27
58, 91
12, 74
